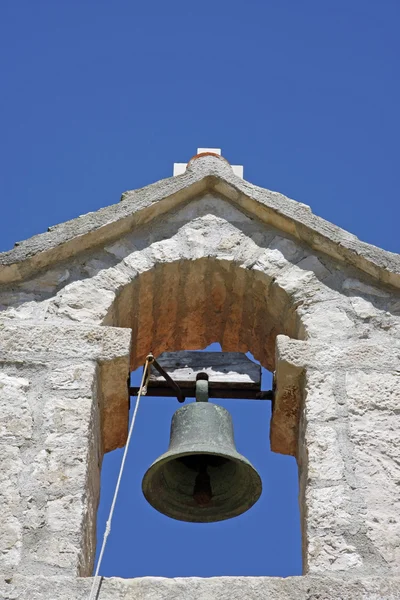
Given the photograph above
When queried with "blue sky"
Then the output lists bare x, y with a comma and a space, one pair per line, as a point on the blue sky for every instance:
100, 97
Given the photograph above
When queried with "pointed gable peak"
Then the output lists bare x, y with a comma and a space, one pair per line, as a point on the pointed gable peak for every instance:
206, 172
180, 168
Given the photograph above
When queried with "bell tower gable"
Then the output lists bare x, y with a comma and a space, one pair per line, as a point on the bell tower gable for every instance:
198, 258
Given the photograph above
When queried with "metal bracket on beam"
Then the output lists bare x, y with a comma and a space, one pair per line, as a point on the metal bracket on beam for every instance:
178, 392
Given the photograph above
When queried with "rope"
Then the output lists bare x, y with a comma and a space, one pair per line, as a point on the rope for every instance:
107, 530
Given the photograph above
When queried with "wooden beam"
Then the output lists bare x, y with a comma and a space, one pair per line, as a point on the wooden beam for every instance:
225, 370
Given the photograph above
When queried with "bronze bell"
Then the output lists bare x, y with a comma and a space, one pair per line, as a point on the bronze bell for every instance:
201, 478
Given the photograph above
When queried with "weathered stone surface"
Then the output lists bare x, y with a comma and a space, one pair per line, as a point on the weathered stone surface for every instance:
52, 416
52, 342
45, 458
11, 530
16, 417
195, 588
47, 282
82, 302
356, 286
345, 355
374, 409
325, 463
321, 405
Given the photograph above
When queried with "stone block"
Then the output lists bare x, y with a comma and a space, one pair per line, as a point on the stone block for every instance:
81, 301
329, 509
76, 379
320, 402
326, 320
331, 553
325, 462
15, 411
11, 467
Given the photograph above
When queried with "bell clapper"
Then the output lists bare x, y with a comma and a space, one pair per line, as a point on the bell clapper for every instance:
202, 492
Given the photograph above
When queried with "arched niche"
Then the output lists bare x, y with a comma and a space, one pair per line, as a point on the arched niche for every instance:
189, 304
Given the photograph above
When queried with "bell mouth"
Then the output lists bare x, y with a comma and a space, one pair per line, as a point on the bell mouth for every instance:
201, 486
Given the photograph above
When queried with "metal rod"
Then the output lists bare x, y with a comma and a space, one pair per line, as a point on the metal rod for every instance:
190, 392
178, 392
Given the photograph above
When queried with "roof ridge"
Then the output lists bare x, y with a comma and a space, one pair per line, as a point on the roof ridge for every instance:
208, 172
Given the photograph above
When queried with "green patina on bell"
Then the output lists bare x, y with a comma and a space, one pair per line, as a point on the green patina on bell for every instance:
202, 478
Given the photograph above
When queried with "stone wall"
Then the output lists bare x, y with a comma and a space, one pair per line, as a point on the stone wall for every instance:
207, 271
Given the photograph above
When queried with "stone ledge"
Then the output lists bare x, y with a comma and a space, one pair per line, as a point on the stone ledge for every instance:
53, 341
55, 344
206, 173
294, 356
195, 588
360, 354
